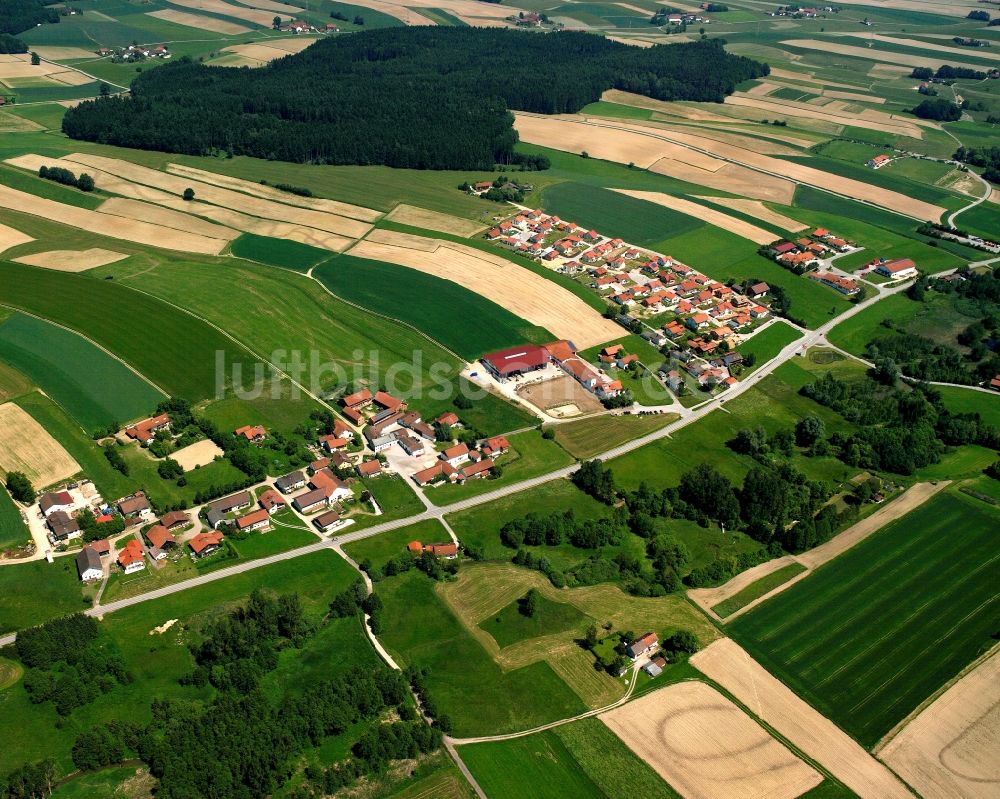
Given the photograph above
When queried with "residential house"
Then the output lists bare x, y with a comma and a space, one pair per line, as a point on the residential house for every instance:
88, 565
328, 521
271, 501
102, 546
132, 558
897, 269
174, 519
455, 455
135, 507
255, 520
380, 443
234, 502
325, 480
995, 383
372, 468
878, 161
160, 537
413, 447
642, 646
205, 543
342, 429
842, 284
291, 482
441, 469
495, 446
448, 550
332, 443
475, 471
252, 433
757, 290
63, 527
311, 501
216, 519
144, 431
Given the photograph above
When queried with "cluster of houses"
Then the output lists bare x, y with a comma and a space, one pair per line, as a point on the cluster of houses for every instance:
321, 492
134, 52
59, 511
131, 556
801, 13
297, 26
459, 462
806, 252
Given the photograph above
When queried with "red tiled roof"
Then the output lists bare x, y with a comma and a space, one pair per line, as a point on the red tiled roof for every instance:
202, 541
252, 518
160, 535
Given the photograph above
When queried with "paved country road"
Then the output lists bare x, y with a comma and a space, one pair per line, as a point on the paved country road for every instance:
810, 338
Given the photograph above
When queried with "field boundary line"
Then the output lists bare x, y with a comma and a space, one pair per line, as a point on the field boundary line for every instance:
87, 338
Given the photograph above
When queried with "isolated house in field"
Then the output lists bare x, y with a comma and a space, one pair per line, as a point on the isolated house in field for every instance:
291, 481
144, 431
135, 507
88, 565
252, 433
515, 361
878, 161
55, 501
131, 558
448, 550
642, 646
205, 543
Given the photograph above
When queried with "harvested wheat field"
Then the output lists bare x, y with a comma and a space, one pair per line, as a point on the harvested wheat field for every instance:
955, 52
608, 140
226, 198
270, 193
957, 8
433, 220
757, 209
262, 18
20, 66
12, 123
695, 112
261, 53
631, 41
178, 220
870, 118
560, 397
743, 229
706, 747
862, 98
409, 10
72, 260
71, 77
521, 291
728, 664
54, 53
12, 238
761, 145
873, 54
295, 44
199, 454
950, 749
111, 226
25, 446
731, 178
199, 21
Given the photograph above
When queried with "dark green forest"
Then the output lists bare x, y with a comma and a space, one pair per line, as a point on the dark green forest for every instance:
17, 16
423, 97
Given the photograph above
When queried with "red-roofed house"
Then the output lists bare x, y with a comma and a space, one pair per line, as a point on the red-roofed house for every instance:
205, 543
387, 401
255, 520
456, 454
358, 400
160, 537
144, 431
642, 646
252, 433
131, 558
372, 468
271, 501
897, 269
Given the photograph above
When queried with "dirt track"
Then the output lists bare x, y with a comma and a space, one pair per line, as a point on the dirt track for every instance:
706, 747
950, 749
729, 665
519, 290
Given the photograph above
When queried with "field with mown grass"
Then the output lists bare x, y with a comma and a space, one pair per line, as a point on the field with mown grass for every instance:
867, 637
512, 625
94, 388
768, 343
586, 438
463, 321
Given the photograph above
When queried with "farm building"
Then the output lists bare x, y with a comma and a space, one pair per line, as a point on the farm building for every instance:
898, 269
328, 521
335, 488
390, 403
311, 501
174, 519
88, 565
878, 161
842, 284
515, 361
54, 502
449, 550
63, 526
358, 400
233, 502
642, 646
371, 468
144, 431
455, 455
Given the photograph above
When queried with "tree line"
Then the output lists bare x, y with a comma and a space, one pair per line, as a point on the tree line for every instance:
443, 95
986, 157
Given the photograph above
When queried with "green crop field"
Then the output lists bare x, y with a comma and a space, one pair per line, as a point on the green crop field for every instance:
94, 388
636, 221
12, 529
582, 759
766, 344
964, 400
869, 636
279, 252
463, 321
615, 110
174, 350
511, 625
757, 589
32, 184
465, 681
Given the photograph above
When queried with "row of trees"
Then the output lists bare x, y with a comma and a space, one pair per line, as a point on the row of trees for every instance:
448, 88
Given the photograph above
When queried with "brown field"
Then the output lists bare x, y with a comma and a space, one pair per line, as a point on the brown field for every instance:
256, 16
957, 8
726, 663
294, 44
12, 123
748, 132
20, 66
731, 223
25, 446
611, 141
954, 52
198, 454
53, 53
12, 238
433, 220
562, 395
632, 41
869, 118
865, 98
807, 76
71, 78
226, 198
105, 225
269, 5
72, 260
524, 293
232, 60
761, 145
269, 193
199, 21
460, 8
695, 112
706, 747
950, 748
731, 178
873, 54
261, 53
136, 209
757, 209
